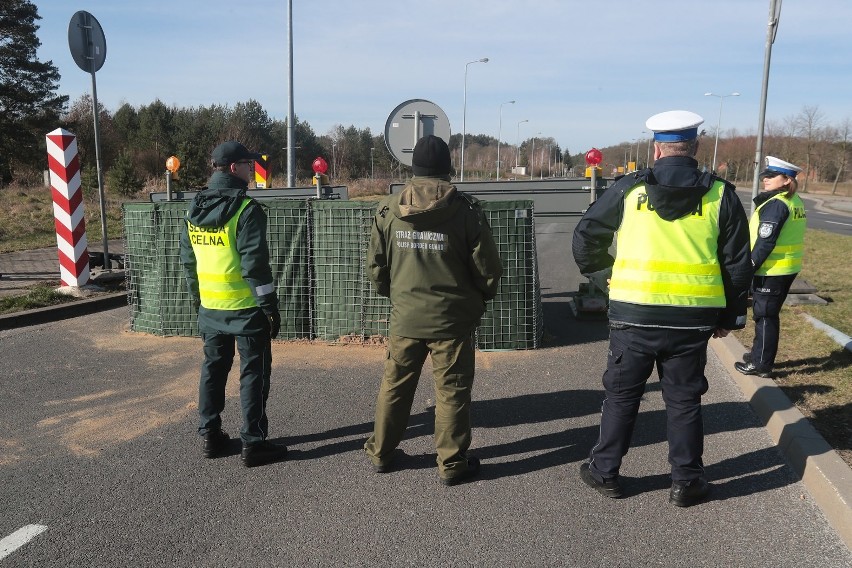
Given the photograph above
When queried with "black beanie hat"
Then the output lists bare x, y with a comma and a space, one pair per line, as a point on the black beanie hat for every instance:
431, 157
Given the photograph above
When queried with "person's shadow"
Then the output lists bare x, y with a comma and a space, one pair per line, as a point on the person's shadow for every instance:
756, 471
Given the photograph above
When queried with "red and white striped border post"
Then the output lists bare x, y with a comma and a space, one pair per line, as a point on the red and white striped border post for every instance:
64, 164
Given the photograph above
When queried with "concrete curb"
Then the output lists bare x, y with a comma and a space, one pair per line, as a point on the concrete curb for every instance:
827, 477
63, 311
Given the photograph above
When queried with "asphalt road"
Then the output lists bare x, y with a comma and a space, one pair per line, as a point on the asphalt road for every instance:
98, 444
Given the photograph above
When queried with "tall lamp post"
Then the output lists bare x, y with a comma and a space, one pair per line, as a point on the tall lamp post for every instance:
518, 154
499, 133
333, 160
718, 123
532, 154
464, 110
647, 150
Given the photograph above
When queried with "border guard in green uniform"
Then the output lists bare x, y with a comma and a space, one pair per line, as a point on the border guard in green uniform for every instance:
432, 252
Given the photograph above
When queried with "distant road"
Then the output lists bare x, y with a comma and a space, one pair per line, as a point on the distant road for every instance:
823, 220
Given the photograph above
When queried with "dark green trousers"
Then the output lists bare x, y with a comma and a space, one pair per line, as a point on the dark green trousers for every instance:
453, 367
255, 370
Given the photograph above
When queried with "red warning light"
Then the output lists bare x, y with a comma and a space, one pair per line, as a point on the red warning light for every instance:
594, 157
320, 166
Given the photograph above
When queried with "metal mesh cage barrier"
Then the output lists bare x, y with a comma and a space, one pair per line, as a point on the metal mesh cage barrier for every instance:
514, 318
289, 256
156, 288
318, 253
141, 268
346, 307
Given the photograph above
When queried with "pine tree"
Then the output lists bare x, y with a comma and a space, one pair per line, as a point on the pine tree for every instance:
29, 105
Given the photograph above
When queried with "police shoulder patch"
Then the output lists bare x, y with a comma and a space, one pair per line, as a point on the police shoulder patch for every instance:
765, 230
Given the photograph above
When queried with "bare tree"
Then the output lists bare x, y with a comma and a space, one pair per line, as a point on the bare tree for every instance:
808, 124
842, 150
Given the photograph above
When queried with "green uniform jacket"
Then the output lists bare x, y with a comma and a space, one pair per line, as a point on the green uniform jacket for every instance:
213, 207
432, 252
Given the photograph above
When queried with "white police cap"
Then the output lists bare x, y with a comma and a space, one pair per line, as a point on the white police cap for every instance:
774, 166
674, 125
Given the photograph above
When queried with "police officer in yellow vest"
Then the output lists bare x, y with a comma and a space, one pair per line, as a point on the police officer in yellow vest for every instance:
226, 262
777, 230
680, 275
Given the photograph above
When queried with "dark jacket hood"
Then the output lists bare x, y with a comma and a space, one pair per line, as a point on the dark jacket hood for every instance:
675, 186
218, 202
426, 201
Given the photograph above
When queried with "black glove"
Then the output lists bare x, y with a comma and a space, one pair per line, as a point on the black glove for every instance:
274, 323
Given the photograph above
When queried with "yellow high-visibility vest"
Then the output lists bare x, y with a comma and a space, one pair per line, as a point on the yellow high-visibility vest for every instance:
220, 280
786, 257
668, 263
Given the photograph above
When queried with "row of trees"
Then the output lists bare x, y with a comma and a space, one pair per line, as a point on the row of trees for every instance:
806, 139
136, 141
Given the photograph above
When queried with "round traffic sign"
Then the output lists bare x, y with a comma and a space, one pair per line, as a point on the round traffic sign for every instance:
411, 121
87, 42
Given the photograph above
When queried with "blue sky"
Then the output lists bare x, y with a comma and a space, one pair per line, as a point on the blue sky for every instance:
584, 77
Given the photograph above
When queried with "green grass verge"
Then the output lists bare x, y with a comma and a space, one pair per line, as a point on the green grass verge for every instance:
39, 296
813, 370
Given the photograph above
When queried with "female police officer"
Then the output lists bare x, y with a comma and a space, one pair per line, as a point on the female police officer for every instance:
777, 230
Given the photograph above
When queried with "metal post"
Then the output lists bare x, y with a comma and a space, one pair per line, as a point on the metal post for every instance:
464, 112
718, 123
101, 197
168, 185
291, 116
532, 158
499, 134
593, 193
518, 154
771, 30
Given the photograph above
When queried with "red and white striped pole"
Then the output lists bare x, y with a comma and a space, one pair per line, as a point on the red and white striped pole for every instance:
64, 164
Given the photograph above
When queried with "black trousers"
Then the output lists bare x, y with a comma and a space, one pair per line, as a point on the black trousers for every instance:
255, 370
680, 356
768, 295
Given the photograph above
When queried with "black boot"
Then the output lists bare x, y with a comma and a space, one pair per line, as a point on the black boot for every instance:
262, 453
688, 493
215, 442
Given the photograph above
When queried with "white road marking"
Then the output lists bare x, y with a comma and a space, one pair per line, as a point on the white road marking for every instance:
839, 223
19, 538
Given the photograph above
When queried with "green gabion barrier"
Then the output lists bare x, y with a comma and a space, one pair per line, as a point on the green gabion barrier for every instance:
345, 305
289, 254
514, 318
318, 256
142, 267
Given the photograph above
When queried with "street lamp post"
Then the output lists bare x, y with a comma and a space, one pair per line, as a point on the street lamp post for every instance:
518, 154
532, 155
464, 110
718, 123
333, 160
647, 150
637, 152
499, 133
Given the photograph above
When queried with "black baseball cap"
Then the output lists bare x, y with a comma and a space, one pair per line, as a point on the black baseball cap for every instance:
229, 152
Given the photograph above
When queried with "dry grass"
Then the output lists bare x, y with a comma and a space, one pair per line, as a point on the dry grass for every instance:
26, 218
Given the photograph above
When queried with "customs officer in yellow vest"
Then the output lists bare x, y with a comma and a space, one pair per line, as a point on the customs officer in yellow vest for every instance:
777, 230
226, 263
680, 275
